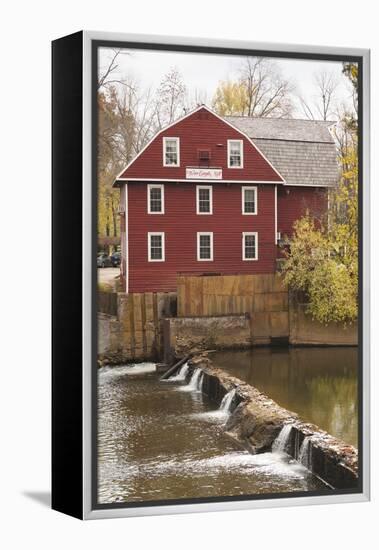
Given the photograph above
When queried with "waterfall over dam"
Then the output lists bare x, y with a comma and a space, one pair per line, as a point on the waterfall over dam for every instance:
227, 401
280, 444
261, 425
181, 375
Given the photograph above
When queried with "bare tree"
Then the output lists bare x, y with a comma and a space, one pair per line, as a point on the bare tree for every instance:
108, 75
126, 123
323, 106
260, 91
268, 93
126, 116
171, 96
195, 98
344, 132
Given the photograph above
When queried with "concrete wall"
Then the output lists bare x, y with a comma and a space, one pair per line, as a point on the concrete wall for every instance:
190, 334
135, 333
306, 331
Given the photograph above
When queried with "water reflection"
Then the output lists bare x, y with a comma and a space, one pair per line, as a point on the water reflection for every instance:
158, 443
320, 384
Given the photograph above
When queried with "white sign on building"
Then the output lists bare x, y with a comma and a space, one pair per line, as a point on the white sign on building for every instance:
204, 173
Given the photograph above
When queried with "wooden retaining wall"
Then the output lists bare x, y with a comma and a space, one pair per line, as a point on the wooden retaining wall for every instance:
264, 312
207, 296
135, 332
263, 297
274, 312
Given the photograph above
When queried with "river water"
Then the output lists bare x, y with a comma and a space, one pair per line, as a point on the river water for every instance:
163, 440
320, 384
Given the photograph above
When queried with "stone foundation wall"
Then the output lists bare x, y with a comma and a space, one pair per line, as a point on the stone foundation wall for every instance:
184, 335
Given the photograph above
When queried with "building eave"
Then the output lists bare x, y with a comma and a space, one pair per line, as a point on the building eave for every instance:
121, 181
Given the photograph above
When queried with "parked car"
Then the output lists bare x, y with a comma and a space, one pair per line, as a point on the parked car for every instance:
116, 259
103, 260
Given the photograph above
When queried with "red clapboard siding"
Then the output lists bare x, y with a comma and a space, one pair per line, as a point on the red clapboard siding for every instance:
201, 131
293, 202
181, 223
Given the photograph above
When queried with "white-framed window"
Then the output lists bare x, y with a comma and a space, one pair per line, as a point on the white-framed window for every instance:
235, 153
249, 201
204, 247
204, 199
156, 247
155, 198
171, 151
250, 246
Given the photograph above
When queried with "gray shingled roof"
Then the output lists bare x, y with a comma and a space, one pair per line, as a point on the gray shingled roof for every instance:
303, 151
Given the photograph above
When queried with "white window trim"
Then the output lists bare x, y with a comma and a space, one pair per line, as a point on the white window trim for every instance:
198, 246
241, 142
247, 234
198, 187
152, 234
276, 214
155, 186
255, 189
164, 151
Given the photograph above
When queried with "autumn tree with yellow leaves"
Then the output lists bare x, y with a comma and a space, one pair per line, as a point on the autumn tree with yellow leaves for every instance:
322, 256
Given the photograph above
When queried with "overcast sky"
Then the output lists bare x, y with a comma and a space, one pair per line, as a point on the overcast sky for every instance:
204, 71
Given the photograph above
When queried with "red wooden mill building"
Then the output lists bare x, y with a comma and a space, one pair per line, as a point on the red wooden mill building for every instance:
211, 194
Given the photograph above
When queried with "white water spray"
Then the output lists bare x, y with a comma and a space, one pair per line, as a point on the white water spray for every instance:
305, 453
227, 400
221, 414
109, 373
196, 382
281, 442
180, 376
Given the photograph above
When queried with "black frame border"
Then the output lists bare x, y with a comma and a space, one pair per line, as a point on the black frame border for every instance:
67, 292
